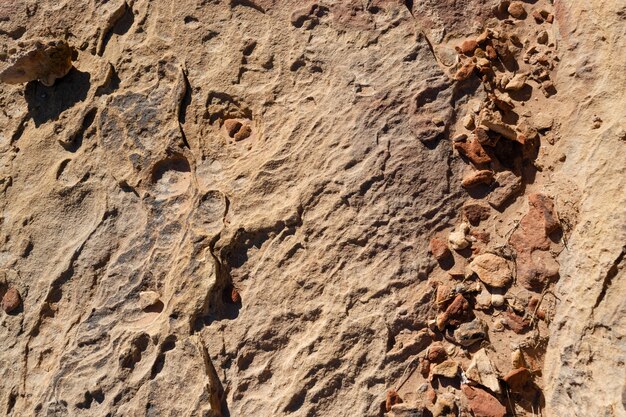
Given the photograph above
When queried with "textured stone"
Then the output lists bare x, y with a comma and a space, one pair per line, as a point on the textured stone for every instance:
482, 371
492, 270
39, 61
475, 212
518, 379
475, 178
458, 237
439, 249
517, 10
448, 369
11, 300
535, 265
508, 186
469, 333
474, 151
482, 403
436, 353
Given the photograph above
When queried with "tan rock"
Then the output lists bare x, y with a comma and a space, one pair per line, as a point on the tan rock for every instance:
43, 62
458, 238
492, 270
475, 178
517, 82
482, 371
508, 186
447, 369
516, 9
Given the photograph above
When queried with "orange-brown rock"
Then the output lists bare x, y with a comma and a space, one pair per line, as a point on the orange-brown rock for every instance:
475, 178
475, 212
482, 403
467, 46
535, 265
439, 249
466, 71
437, 353
11, 300
392, 399
474, 151
518, 379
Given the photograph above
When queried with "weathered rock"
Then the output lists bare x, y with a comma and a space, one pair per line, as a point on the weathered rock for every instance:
436, 353
508, 186
11, 300
518, 379
232, 126
458, 238
243, 133
468, 121
43, 62
439, 249
475, 178
493, 121
516, 323
497, 300
469, 333
535, 265
542, 38
445, 406
466, 71
492, 270
448, 369
406, 410
467, 46
482, 371
516, 9
474, 151
517, 82
392, 399
484, 138
457, 311
482, 403
475, 212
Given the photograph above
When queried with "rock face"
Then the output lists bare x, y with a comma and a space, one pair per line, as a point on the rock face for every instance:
217, 208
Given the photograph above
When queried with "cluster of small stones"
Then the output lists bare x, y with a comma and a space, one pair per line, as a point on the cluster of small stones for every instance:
499, 152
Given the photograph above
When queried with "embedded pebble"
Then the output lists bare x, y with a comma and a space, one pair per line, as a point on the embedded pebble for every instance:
11, 300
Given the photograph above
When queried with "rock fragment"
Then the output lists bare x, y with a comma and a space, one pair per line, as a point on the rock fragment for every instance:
466, 71
447, 369
516, 9
475, 178
469, 333
437, 353
508, 186
482, 371
458, 310
43, 62
518, 379
475, 212
535, 265
11, 300
474, 151
439, 249
244, 132
492, 270
392, 399
467, 46
232, 126
517, 82
458, 238
482, 403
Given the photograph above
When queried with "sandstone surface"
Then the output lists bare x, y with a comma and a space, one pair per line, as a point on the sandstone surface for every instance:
226, 207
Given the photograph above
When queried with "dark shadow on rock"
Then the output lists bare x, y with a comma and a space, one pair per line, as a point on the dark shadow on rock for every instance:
47, 103
523, 94
446, 263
